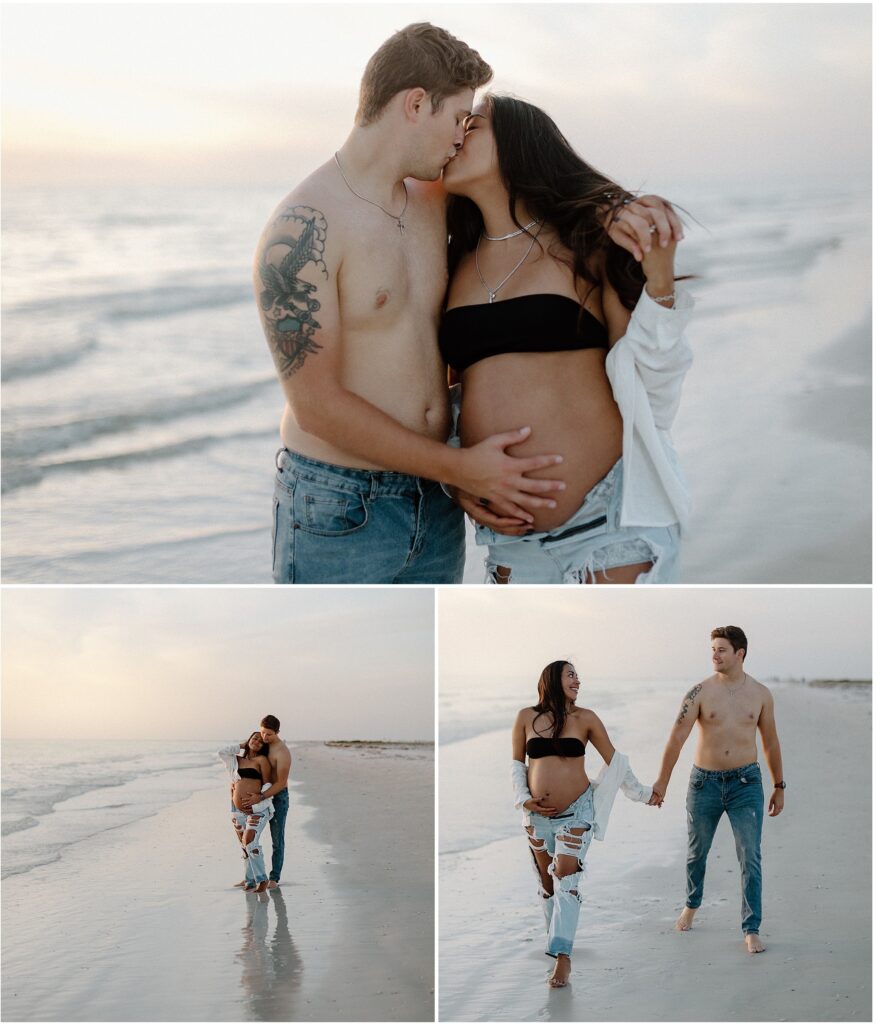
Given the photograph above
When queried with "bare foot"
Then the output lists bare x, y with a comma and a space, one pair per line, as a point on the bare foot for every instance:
560, 977
685, 919
273, 885
249, 887
261, 886
753, 943
240, 885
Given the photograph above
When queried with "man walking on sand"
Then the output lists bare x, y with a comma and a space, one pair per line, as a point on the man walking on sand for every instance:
281, 763
350, 275
729, 707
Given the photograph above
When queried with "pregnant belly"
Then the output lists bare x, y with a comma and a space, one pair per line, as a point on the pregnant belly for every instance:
557, 781
566, 399
245, 786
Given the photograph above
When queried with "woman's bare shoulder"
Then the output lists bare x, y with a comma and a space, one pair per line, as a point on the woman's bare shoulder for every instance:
526, 715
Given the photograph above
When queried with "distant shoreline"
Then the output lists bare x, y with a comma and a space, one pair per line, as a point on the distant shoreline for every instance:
398, 744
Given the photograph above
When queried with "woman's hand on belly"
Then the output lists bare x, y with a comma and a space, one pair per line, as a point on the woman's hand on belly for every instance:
491, 514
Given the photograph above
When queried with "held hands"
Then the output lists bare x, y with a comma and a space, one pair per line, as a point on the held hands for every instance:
658, 793
493, 475
538, 806
777, 802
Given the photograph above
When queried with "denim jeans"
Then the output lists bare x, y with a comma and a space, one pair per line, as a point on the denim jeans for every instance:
333, 524
591, 541
278, 833
739, 792
252, 821
568, 834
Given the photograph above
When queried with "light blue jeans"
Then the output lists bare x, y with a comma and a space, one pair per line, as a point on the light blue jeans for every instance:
591, 541
568, 834
333, 524
737, 792
252, 823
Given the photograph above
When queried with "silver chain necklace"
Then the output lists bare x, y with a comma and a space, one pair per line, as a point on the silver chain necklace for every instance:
739, 687
511, 234
493, 292
398, 219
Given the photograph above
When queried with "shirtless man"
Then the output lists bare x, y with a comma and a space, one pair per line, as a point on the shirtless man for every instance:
350, 275
281, 763
730, 707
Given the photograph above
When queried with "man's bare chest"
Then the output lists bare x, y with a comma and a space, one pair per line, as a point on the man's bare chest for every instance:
730, 713
384, 284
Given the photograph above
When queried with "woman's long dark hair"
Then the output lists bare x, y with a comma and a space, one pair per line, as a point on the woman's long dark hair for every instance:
540, 168
551, 699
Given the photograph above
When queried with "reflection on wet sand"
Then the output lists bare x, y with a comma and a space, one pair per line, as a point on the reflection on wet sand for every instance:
270, 967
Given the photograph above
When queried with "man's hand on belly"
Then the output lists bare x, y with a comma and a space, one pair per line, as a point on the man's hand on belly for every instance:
490, 473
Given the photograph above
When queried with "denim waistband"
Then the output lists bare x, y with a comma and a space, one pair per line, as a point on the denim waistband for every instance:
729, 773
370, 482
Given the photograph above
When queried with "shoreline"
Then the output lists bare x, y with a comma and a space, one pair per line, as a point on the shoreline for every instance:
629, 963
142, 923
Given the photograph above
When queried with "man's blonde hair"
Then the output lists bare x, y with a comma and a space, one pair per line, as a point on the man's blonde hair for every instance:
419, 55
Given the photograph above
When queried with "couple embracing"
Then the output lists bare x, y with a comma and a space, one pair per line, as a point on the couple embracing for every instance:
449, 236
564, 810
259, 770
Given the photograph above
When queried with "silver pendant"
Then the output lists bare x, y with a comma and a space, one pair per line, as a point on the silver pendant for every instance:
401, 226
492, 296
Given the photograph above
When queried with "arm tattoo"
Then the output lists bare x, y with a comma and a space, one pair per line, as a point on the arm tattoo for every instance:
686, 703
296, 239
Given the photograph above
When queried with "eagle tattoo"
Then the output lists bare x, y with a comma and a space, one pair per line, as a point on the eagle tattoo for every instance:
286, 300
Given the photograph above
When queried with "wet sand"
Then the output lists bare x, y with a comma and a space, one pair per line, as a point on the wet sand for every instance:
629, 962
141, 923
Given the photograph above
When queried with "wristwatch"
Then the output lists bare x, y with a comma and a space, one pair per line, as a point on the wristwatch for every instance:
779, 785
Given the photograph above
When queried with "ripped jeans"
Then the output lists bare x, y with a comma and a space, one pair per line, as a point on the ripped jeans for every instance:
565, 839
249, 826
591, 541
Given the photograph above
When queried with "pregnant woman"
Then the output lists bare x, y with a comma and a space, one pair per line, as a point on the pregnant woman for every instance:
551, 324
250, 773
563, 810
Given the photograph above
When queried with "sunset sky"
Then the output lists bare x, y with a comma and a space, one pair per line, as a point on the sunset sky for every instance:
261, 93
206, 663
653, 633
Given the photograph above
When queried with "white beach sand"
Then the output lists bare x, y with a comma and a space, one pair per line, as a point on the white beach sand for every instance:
629, 963
141, 923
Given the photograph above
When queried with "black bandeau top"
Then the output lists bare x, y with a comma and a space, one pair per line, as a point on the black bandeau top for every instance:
544, 746
249, 773
528, 323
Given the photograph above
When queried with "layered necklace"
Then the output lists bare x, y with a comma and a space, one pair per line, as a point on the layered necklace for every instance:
399, 220
493, 292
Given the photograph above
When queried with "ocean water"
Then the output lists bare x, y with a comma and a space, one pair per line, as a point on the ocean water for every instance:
141, 408
62, 792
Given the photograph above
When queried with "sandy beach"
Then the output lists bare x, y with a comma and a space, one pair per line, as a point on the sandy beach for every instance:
629, 963
142, 923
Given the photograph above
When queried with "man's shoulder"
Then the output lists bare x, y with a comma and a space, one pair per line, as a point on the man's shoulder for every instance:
702, 687
282, 750
760, 688
317, 193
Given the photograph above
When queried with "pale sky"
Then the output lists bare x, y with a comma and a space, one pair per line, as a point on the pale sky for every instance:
656, 94
652, 632
208, 663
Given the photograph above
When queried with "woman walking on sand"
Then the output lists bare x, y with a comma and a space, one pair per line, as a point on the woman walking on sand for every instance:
563, 809
250, 772
550, 323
